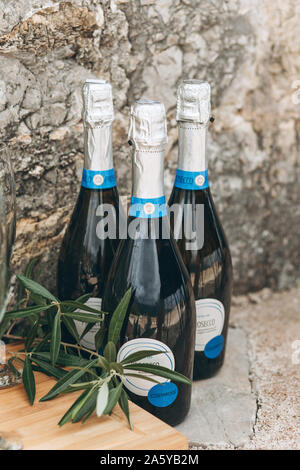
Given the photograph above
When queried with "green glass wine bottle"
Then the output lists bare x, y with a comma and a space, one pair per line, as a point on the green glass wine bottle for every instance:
161, 315
88, 249
198, 230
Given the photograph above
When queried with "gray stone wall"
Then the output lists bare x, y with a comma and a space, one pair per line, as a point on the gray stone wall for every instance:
247, 49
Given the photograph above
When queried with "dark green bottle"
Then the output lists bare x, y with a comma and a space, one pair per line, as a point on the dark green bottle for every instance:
198, 230
87, 250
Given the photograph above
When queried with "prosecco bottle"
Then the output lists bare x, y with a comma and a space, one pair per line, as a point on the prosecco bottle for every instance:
198, 230
88, 246
161, 315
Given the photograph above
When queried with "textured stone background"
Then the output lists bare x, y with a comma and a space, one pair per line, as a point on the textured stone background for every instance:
247, 50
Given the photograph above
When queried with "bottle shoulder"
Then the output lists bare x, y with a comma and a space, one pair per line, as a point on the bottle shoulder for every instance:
149, 265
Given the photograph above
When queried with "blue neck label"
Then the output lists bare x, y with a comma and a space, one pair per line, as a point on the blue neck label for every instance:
92, 179
191, 179
148, 208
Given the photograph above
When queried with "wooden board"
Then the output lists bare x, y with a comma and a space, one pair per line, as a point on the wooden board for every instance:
36, 426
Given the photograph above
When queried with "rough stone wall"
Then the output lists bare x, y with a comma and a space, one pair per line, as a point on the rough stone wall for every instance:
247, 49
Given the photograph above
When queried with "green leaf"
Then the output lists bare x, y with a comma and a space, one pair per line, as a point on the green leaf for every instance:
138, 356
70, 378
28, 380
92, 409
123, 402
88, 327
31, 335
87, 409
79, 386
25, 312
113, 398
49, 369
49, 315
64, 359
83, 407
12, 367
160, 372
82, 299
140, 376
37, 299
68, 415
71, 327
102, 399
55, 338
99, 337
118, 317
36, 288
27, 272
81, 306
110, 351
30, 266
83, 316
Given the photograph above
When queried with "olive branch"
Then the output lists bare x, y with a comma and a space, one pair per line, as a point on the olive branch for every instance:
99, 376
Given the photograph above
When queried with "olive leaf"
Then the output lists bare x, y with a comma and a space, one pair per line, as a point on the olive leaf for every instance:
99, 337
63, 359
71, 327
81, 306
139, 355
25, 312
31, 335
83, 407
14, 370
36, 288
48, 369
110, 352
83, 316
160, 372
68, 415
141, 376
118, 317
113, 398
124, 405
100, 377
55, 339
28, 380
70, 378
102, 399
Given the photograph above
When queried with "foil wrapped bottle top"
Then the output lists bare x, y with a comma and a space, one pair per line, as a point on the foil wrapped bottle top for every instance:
98, 110
148, 125
193, 101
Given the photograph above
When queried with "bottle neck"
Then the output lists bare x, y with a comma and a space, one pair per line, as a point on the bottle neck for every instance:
192, 161
148, 199
98, 172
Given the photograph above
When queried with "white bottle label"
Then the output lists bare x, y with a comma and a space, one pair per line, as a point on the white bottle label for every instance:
210, 321
88, 341
138, 386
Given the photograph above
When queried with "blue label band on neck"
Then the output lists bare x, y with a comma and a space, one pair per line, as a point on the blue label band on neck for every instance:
148, 208
191, 179
92, 179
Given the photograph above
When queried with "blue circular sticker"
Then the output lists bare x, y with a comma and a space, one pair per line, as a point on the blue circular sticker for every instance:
214, 347
162, 395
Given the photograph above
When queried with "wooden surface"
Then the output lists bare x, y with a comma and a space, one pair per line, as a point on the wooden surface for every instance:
36, 426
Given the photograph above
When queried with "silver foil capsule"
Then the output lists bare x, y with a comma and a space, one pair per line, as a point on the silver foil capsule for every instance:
148, 125
98, 110
148, 133
98, 116
193, 101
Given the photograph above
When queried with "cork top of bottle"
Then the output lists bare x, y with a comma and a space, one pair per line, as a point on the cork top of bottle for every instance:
193, 101
98, 110
148, 125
